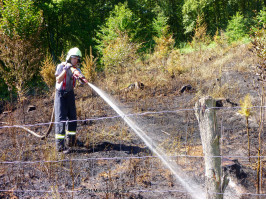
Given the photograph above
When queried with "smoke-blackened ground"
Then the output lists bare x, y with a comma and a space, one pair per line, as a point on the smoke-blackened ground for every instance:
114, 162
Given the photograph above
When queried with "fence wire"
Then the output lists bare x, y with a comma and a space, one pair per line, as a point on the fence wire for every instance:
118, 116
116, 163
119, 158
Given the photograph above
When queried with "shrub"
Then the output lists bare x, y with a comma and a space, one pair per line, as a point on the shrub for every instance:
220, 38
163, 47
121, 20
119, 54
89, 66
20, 61
174, 66
19, 17
164, 42
20, 53
160, 26
200, 36
48, 71
236, 28
259, 24
261, 17
246, 106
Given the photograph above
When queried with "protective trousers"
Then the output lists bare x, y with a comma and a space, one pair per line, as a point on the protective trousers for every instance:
65, 110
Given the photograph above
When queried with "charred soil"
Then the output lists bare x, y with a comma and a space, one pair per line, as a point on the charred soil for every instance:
114, 162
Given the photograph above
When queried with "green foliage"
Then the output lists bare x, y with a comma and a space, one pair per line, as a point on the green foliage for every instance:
147, 26
236, 28
261, 17
69, 23
164, 41
20, 61
160, 25
119, 54
121, 20
172, 9
20, 45
191, 10
19, 17
4, 90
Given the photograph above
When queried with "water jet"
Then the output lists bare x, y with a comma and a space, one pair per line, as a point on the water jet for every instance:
193, 189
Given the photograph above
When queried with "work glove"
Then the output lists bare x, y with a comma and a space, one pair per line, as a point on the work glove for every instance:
67, 66
80, 83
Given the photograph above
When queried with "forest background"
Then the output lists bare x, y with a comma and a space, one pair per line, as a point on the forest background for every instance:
36, 35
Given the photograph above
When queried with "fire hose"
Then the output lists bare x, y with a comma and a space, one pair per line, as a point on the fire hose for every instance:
34, 133
77, 75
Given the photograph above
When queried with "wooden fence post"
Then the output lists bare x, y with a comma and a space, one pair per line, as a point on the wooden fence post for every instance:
206, 117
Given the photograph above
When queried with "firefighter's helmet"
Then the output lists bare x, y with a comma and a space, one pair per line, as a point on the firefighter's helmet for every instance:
73, 52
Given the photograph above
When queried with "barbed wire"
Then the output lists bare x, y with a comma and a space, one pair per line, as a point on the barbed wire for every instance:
112, 191
118, 116
118, 158
163, 191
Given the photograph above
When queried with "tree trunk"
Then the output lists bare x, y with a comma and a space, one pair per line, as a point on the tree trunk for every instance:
206, 116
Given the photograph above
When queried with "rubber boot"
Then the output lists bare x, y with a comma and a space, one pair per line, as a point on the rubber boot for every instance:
70, 140
79, 143
60, 145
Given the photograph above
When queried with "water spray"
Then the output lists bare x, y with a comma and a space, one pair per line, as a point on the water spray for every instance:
194, 190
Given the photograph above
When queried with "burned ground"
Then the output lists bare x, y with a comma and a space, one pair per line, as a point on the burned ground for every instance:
115, 162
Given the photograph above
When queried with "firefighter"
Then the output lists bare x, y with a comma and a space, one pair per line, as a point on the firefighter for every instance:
65, 108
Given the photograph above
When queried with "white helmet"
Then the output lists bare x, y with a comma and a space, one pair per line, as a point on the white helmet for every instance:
73, 52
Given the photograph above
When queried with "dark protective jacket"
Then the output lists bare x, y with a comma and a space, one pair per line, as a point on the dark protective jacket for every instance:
65, 108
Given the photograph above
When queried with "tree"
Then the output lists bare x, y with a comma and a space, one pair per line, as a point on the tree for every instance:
173, 11
144, 11
69, 23
191, 10
236, 28
20, 61
163, 39
160, 25
19, 17
20, 46
120, 22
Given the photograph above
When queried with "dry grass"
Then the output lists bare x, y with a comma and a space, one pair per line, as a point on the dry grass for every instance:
171, 145
89, 66
139, 172
195, 150
202, 69
113, 134
48, 70
207, 67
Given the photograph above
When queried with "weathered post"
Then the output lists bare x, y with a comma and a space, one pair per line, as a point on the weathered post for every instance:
206, 115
